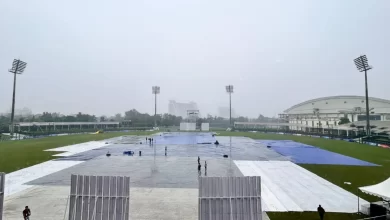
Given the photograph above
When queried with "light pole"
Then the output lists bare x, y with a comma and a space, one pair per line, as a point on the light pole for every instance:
18, 67
155, 90
362, 65
229, 89
230, 170
357, 191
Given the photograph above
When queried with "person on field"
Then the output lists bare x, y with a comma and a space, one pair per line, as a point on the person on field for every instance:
26, 213
321, 212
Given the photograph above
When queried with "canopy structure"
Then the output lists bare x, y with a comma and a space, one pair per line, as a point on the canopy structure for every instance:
381, 189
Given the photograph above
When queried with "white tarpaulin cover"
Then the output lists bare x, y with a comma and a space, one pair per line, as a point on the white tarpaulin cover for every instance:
15, 181
381, 189
77, 148
286, 186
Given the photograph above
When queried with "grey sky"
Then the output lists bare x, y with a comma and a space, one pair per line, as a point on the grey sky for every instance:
103, 57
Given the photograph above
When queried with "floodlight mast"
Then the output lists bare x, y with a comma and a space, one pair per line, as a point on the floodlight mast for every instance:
18, 67
362, 65
155, 91
229, 89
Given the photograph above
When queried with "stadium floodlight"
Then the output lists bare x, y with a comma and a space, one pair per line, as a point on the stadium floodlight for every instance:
229, 89
18, 67
155, 91
362, 65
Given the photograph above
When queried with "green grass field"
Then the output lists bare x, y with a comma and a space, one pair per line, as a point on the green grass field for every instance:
337, 174
311, 216
15, 155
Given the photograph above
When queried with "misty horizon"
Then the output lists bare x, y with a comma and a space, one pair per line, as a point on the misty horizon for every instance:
103, 58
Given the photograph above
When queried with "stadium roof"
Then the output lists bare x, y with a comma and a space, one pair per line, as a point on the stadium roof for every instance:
336, 97
341, 127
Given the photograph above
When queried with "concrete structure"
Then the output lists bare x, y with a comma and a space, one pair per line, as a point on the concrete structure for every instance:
230, 198
2, 183
192, 116
187, 126
205, 127
99, 197
224, 112
282, 125
326, 112
44, 126
181, 109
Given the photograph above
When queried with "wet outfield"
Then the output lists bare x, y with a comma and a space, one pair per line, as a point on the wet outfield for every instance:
162, 182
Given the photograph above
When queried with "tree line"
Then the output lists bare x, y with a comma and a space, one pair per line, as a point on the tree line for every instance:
130, 118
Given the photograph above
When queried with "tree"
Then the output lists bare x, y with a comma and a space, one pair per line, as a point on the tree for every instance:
261, 118
46, 117
118, 117
199, 122
344, 120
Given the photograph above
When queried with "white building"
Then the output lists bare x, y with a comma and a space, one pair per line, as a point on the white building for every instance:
326, 112
181, 109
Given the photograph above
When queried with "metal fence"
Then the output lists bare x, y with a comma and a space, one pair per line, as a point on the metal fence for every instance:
99, 197
230, 198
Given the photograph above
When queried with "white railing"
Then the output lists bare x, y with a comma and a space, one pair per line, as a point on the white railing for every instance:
27, 124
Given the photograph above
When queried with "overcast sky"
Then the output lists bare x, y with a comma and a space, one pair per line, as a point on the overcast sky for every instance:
103, 57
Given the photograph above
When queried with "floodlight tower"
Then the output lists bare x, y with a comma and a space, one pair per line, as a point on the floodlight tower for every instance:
18, 67
229, 89
362, 65
155, 90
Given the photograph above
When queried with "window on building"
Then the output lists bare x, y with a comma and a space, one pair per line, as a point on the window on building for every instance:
372, 117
